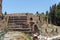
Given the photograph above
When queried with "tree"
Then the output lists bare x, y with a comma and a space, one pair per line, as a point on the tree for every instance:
5, 12
49, 16
47, 13
46, 16
42, 13
58, 15
37, 12
53, 14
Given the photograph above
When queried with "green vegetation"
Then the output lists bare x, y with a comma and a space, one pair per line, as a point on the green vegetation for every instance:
27, 36
53, 15
2, 33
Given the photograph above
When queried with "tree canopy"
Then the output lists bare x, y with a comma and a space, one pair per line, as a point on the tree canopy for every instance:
54, 14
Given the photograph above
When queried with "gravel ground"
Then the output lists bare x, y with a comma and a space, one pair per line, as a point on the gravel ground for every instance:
15, 36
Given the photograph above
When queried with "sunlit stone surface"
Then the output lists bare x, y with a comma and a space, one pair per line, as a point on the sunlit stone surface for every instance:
14, 36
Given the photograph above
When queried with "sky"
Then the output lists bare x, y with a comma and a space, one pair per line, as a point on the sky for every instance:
24, 6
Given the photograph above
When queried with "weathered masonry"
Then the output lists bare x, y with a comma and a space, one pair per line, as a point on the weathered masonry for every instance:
24, 22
